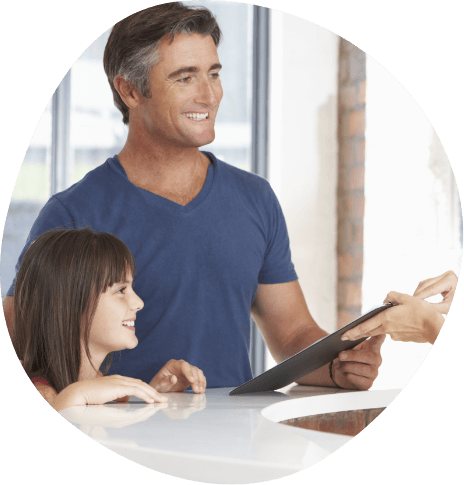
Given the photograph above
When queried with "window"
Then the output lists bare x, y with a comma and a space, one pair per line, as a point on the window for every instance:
89, 128
31, 191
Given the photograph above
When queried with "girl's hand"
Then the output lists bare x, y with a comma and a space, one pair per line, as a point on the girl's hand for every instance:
104, 389
177, 375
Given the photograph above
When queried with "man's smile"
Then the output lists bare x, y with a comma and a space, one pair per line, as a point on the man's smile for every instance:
196, 116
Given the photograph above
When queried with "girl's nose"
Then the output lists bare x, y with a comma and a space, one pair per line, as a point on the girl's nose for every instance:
137, 303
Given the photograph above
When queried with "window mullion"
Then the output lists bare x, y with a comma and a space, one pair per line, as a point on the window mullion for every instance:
60, 174
259, 139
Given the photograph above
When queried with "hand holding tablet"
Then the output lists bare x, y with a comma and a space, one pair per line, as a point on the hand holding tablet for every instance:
308, 360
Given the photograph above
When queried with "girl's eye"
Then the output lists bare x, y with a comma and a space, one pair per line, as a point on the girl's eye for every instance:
122, 290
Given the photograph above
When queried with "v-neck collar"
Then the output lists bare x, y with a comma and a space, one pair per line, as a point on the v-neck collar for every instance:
170, 204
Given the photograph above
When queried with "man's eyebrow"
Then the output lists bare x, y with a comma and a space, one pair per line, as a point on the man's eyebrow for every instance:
183, 70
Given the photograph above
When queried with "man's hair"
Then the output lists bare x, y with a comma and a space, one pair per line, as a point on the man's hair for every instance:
132, 47
59, 283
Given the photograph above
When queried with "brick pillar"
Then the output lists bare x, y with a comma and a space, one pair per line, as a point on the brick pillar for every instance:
350, 190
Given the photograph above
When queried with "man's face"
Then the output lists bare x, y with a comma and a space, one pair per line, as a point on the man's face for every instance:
185, 92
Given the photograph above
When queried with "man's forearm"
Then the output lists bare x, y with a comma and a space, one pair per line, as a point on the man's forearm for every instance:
319, 377
281, 314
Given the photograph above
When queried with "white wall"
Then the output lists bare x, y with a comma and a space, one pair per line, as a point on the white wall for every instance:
411, 224
303, 153
411, 221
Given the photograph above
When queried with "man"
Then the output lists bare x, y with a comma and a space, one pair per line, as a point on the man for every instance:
209, 240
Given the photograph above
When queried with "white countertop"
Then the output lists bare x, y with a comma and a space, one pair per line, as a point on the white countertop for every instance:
217, 438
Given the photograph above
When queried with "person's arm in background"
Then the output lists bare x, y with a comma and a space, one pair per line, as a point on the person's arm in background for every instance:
282, 316
444, 284
413, 319
8, 310
53, 215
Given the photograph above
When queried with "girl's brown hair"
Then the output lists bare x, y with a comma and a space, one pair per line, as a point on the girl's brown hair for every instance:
61, 277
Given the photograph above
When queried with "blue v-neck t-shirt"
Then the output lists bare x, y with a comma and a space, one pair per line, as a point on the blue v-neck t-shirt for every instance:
198, 266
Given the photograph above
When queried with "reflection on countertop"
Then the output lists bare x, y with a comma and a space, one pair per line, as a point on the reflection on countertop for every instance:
214, 437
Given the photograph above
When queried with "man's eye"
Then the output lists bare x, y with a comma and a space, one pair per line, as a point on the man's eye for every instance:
185, 79
215, 75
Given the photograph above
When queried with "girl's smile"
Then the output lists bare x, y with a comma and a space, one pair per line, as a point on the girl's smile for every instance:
116, 309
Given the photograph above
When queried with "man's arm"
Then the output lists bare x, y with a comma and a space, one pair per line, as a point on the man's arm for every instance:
282, 316
8, 310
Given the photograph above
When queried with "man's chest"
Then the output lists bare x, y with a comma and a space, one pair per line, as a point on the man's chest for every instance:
222, 240
228, 246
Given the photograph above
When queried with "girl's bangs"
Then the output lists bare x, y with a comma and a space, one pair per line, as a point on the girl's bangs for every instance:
114, 260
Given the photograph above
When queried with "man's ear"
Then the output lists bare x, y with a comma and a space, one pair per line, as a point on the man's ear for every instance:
129, 95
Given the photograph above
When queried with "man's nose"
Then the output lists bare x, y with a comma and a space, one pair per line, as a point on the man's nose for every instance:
208, 93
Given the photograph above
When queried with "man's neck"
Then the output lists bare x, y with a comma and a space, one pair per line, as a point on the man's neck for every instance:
175, 173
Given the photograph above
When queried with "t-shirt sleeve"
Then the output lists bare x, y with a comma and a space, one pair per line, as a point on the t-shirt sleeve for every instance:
53, 215
277, 266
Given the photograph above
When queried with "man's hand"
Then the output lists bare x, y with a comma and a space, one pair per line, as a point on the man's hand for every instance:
281, 313
177, 375
444, 284
358, 368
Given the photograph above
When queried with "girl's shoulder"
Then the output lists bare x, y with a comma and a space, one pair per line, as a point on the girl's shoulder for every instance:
45, 389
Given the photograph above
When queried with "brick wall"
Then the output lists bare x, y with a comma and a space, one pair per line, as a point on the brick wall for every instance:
348, 423
350, 190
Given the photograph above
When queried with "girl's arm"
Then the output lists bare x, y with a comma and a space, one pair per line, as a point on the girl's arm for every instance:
99, 391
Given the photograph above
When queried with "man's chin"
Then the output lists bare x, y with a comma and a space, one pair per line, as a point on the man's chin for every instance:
195, 140
202, 138
207, 141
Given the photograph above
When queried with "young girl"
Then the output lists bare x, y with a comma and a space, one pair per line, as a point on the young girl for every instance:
74, 305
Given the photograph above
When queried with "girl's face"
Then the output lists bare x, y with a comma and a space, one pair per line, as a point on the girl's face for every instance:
113, 325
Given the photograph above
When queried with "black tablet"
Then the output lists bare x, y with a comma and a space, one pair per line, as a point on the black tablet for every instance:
307, 360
